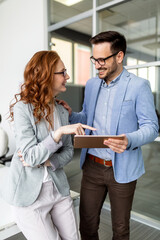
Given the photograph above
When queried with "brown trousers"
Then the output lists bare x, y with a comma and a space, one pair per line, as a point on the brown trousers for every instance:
97, 181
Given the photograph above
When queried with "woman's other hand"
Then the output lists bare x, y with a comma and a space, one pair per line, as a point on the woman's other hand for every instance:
22, 160
47, 163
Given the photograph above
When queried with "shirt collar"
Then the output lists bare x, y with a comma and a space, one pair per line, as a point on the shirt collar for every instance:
113, 82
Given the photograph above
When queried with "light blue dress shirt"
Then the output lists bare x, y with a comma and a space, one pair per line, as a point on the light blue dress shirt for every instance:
102, 118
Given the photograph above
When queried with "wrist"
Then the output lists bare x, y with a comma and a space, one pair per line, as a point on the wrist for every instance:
57, 135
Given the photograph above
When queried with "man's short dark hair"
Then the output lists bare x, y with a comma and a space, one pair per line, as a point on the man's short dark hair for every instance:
116, 39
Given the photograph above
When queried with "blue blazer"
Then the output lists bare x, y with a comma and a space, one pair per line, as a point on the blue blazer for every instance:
133, 114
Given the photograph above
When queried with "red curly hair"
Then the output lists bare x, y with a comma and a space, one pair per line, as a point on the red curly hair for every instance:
38, 84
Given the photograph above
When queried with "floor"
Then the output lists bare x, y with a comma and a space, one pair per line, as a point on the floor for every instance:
138, 231
146, 200
147, 195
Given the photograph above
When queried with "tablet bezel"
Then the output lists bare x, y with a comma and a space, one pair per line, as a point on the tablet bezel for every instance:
93, 141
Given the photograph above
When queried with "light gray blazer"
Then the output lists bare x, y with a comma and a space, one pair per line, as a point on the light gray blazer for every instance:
37, 145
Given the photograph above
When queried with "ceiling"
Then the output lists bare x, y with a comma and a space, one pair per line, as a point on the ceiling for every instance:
138, 20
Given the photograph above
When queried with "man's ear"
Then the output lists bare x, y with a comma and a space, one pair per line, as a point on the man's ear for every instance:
120, 57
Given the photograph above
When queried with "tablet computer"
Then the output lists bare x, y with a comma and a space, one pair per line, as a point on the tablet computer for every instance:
92, 141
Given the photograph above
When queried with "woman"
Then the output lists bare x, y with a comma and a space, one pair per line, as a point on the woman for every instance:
38, 187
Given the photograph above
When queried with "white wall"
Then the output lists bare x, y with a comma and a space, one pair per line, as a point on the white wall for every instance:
23, 31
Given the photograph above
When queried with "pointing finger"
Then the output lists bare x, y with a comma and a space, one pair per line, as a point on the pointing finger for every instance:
88, 127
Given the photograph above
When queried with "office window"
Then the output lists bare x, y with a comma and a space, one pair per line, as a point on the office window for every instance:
60, 10
72, 44
64, 49
139, 22
82, 64
152, 78
144, 72
100, 2
131, 61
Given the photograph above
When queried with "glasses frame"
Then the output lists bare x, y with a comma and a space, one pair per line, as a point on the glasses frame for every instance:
63, 72
94, 60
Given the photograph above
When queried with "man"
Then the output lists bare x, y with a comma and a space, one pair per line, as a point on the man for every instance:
116, 103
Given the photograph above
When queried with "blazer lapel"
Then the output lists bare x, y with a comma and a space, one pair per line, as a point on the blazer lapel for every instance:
42, 126
123, 83
93, 95
62, 116
41, 130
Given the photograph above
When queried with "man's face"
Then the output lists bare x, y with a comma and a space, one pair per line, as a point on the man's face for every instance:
110, 69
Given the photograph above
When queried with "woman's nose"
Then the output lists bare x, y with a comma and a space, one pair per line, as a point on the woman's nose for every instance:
67, 76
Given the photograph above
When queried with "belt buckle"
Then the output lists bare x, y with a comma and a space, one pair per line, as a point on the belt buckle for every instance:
104, 162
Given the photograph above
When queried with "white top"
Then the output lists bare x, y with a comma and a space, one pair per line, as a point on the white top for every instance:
3, 142
57, 125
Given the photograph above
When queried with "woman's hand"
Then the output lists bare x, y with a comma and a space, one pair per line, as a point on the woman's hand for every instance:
47, 163
22, 160
77, 129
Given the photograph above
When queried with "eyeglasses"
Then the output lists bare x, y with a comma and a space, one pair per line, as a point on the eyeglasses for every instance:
63, 72
101, 61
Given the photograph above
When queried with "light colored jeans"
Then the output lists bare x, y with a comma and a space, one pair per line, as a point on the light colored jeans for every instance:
50, 217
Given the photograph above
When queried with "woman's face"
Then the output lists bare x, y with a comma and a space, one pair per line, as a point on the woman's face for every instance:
60, 78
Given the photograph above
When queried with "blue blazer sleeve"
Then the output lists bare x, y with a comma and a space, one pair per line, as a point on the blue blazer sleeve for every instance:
146, 118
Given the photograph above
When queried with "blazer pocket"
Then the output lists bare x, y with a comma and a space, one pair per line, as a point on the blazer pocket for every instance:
127, 110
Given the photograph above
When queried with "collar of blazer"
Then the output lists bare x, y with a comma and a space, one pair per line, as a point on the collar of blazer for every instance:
121, 92
123, 83
41, 130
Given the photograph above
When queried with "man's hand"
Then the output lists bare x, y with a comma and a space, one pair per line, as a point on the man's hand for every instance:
65, 105
117, 145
